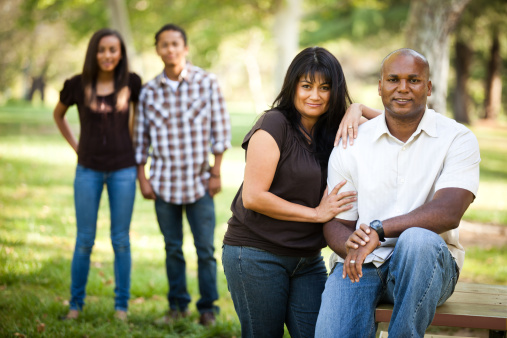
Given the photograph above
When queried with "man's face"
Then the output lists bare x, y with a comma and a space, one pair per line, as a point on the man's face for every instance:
404, 86
171, 48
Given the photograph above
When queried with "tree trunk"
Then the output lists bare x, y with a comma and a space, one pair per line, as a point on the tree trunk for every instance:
286, 35
119, 20
254, 74
493, 98
461, 98
38, 85
427, 30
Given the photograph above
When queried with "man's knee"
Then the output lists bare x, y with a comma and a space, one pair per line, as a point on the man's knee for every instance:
419, 240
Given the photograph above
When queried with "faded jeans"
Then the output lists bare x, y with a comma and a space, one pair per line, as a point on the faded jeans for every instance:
419, 276
121, 189
201, 217
269, 290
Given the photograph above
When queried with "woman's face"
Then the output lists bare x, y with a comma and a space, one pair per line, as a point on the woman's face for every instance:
312, 98
109, 53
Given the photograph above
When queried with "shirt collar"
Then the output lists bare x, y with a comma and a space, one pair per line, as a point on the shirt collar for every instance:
185, 75
427, 124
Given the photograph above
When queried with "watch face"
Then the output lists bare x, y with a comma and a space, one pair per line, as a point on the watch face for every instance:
376, 224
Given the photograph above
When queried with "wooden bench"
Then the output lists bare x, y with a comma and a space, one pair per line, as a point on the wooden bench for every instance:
478, 306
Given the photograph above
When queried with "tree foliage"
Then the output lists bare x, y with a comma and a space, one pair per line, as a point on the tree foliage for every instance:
356, 20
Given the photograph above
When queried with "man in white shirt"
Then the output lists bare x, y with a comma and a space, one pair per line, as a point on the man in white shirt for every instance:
415, 172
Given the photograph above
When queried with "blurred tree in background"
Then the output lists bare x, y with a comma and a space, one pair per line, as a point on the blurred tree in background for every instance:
478, 44
249, 43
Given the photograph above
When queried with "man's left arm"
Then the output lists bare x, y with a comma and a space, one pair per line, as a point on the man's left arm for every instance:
220, 135
441, 214
455, 191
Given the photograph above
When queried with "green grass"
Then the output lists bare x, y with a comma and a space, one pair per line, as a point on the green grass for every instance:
37, 234
490, 205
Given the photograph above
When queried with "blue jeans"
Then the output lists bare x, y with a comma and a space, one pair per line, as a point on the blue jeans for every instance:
201, 217
420, 275
121, 189
269, 290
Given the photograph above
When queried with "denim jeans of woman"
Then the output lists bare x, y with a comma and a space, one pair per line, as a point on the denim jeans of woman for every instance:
121, 189
419, 276
201, 217
269, 291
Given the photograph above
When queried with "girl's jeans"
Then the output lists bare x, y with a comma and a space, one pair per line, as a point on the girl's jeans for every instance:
121, 188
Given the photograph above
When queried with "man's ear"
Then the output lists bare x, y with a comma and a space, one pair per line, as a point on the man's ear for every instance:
379, 87
430, 86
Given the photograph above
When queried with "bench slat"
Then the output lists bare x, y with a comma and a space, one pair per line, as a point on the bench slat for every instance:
486, 299
472, 305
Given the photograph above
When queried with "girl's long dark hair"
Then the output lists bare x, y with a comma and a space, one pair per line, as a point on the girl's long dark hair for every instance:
311, 62
91, 67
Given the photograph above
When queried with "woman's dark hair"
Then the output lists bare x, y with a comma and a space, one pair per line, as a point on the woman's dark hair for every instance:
91, 66
311, 62
171, 27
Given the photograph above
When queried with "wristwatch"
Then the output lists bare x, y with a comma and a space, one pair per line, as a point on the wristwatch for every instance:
377, 226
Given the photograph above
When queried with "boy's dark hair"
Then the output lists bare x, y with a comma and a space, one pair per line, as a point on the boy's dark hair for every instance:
171, 27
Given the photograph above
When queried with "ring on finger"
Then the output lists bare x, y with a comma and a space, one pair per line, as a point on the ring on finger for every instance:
352, 262
349, 127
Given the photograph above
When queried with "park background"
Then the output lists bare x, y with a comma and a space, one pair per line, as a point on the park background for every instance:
248, 44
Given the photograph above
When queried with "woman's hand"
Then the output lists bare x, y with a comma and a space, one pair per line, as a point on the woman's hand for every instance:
349, 124
355, 115
334, 203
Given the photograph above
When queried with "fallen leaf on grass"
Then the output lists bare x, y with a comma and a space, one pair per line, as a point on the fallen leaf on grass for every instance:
3, 287
138, 300
17, 334
41, 327
101, 273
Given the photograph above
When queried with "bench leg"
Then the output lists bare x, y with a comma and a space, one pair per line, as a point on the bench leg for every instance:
497, 334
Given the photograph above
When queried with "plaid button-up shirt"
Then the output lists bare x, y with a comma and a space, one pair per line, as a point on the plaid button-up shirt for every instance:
180, 126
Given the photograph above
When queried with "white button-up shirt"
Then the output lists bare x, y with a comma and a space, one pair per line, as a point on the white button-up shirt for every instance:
393, 178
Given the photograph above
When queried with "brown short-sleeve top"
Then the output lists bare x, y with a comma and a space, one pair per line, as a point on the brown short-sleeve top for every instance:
298, 180
105, 143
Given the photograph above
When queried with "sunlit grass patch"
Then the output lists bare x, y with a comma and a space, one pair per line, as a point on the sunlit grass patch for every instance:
486, 265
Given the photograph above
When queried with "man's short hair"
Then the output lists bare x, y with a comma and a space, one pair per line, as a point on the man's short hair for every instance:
171, 27
406, 51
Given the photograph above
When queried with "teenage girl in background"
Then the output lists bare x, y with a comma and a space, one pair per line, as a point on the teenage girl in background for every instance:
103, 93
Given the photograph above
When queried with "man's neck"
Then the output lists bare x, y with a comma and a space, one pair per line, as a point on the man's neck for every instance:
173, 71
402, 129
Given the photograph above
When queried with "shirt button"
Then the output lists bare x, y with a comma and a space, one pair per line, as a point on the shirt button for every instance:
403, 148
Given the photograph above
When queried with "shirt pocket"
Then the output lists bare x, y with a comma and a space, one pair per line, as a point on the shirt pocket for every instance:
196, 110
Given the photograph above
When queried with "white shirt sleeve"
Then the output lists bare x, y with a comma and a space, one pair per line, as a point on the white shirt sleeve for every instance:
461, 164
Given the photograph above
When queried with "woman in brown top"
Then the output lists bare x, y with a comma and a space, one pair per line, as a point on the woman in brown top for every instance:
271, 255
102, 93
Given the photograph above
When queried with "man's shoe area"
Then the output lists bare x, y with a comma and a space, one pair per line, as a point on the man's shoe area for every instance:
207, 319
172, 316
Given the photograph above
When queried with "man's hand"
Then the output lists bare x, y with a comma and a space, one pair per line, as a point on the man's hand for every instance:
144, 184
214, 185
359, 237
353, 265
147, 190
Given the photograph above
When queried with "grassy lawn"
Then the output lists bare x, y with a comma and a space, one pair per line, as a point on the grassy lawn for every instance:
37, 234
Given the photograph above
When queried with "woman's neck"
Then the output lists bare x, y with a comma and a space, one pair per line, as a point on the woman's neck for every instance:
105, 83
105, 76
